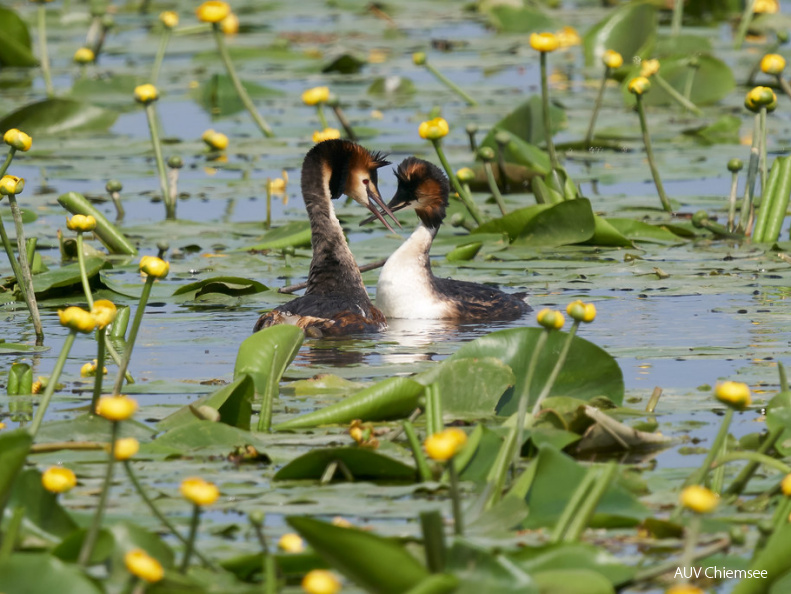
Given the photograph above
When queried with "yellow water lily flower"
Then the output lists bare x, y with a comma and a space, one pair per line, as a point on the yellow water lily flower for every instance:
116, 408
321, 581
773, 64
433, 129
215, 140
326, 134
612, 59
699, 499
316, 95
734, 394
142, 565
568, 37
213, 11
291, 543
230, 24
146, 93
11, 184
84, 55
104, 312
19, 140
649, 68
57, 479
77, 319
154, 266
582, 312
81, 223
125, 448
550, 319
199, 491
639, 85
444, 445
169, 18
544, 42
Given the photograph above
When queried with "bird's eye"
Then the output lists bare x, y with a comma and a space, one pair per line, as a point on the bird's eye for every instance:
365, 181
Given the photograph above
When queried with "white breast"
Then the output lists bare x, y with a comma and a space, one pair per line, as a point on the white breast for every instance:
404, 288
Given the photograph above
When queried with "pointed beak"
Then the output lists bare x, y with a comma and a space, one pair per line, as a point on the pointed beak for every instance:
374, 198
392, 208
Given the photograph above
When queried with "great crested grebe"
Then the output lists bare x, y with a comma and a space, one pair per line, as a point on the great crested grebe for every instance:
407, 288
335, 301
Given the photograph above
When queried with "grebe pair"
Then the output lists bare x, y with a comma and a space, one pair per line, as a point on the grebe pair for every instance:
336, 301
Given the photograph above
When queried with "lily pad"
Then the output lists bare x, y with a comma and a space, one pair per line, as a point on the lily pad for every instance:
17, 48
361, 463
52, 117
629, 30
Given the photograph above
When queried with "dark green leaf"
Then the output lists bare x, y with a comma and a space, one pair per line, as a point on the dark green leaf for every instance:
204, 436
526, 122
573, 556
51, 575
572, 581
564, 223
345, 64
218, 96
363, 464
108, 234
227, 285
513, 223
773, 559
234, 403
14, 348
43, 513
14, 447
629, 29
69, 548
16, 49
66, 276
480, 570
54, 117
521, 152
639, 231
470, 386
293, 234
724, 131
379, 565
257, 352
522, 19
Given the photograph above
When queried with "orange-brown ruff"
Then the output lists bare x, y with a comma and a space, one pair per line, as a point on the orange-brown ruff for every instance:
335, 302
407, 288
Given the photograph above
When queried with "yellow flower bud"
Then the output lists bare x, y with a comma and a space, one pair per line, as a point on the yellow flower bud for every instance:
81, 223
84, 55
419, 58
213, 11
77, 319
125, 448
199, 491
639, 85
433, 129
57, 479
89, 369
17, 139
785, 485
230, 24
760, 97
341, 522
142, 565
291, 543
734, 394
146, 93
612, 59
568, 37
766, 7
104, 312
444, 445
116, 408
465, 175
215, 140
169, 18
551, 319
773, 64
316, 95
321, 581
649, 68
684, 589
699, 499
582, 312
326, 134
154, 266
544, 42
11, 184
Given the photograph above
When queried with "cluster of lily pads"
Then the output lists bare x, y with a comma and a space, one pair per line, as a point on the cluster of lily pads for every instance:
527, 497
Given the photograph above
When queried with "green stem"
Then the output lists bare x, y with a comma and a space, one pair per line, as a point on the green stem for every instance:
117, 358
762, 148
745, 216
553, 376
650, 154
465, 198
524, 397
698, 477
585, 513
573, 505
347, 127
498, 198
744, 24
42, 46
9, 157
689, 82
93, 532
455, 496
451, 85
86, 287
150, 504
163, 44
678, 15
130, 343
431, 525
53, 380
237, 84
732, 200
495, 480
11, 533
553, 158
675, 95
434, 415
597, 107
718, 472
322, 117
170, 203
190, 546
690, 541
9, 250
24, 267
101, 339
755, 457
784, 85
417, 452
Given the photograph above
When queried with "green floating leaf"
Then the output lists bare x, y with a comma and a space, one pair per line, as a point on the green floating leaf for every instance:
513, 223
256, 354
398, 87
470, 386
107, 89
43, 513
53, 117
526, 122
379, 565
629, 30
51, 575
204, 436
573, 556
227, 285
363, 464
293, 234
480, 570
393, 398
632, 230
564, 223
234, 402
676, 45
218, 96
128, 536
520, 152
557, 476
464, 252
15, 348
588, 372
345, 64
607, 234
16, 49
69, 548
523, 19
112, 238
572, 581
66, 276
14, 447
713, 81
